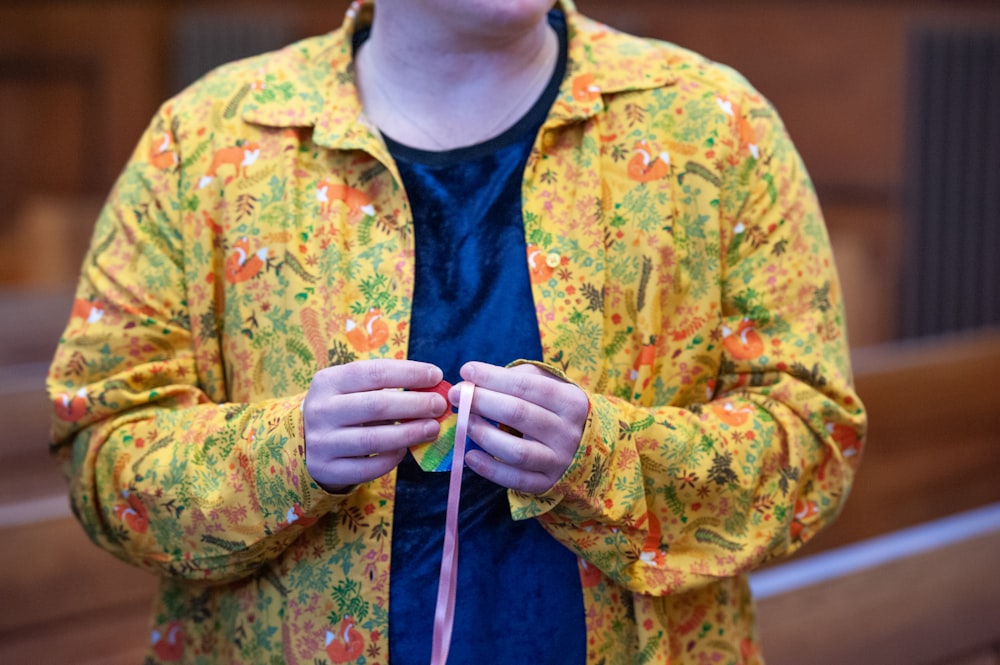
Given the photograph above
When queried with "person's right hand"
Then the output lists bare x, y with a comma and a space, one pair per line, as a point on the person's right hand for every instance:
358, 423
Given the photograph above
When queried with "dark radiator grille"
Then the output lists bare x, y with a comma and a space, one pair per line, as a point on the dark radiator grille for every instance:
951, 266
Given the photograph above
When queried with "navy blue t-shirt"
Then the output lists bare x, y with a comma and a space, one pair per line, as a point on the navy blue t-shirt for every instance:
519, 597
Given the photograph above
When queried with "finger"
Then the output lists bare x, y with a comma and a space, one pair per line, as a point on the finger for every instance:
380, 406
378, 374
506, 475
512, 450
533, 421
525, 381
337, 474
441, 389
360, 442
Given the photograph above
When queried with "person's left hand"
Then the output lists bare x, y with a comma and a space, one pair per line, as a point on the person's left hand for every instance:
547, 411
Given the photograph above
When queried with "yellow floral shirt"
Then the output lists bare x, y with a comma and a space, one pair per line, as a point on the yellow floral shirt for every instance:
681, 275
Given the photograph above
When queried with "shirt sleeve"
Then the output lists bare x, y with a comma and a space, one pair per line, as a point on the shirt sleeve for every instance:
163, 472
667, 498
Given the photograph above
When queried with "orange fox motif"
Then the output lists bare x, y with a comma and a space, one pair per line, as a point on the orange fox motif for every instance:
804, 510
88, 311
239, 157
651, 553
370, 335
162, 154
744, 343
71, 408
584, 89
847, 438
357, 202
132, 512
732, 415
241, 265
540, 269
647, 358
295, 515
590, 575
749, 650
347, 644
648, 163
169, 644
259, 82
745, 133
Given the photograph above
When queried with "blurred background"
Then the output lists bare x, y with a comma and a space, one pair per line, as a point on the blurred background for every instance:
895, 107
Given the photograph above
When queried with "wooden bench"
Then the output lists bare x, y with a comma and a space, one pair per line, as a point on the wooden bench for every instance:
30, 325
933, 445
927, 595
63, 600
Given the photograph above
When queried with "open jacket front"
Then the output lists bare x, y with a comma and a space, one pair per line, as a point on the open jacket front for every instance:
681, 275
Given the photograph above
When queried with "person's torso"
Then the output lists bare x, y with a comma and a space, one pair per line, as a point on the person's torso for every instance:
309, 254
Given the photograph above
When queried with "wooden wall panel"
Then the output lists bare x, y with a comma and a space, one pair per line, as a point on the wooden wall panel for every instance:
52, 159
78, 83
120, 45
865, 240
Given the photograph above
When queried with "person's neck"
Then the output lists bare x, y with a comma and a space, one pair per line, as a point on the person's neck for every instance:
435, 92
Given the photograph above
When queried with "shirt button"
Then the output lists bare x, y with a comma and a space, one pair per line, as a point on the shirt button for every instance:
553, 260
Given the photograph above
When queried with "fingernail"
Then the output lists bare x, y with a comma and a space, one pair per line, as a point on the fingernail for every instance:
440, 404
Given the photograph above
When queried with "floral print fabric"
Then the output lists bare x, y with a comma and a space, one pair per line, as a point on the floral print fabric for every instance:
681, 275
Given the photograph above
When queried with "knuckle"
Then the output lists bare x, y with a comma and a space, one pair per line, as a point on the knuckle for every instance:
521, 385
520, 454
313, 467
310, 412
368, 440
373, 407
577, 409
329, 380
517, 413
544, 485
375, 373
502, 475
324, 472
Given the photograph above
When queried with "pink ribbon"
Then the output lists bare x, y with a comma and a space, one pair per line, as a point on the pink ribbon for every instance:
444, 611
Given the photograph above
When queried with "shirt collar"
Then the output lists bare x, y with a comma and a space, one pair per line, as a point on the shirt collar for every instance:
603, 61
319, 89
317, 79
